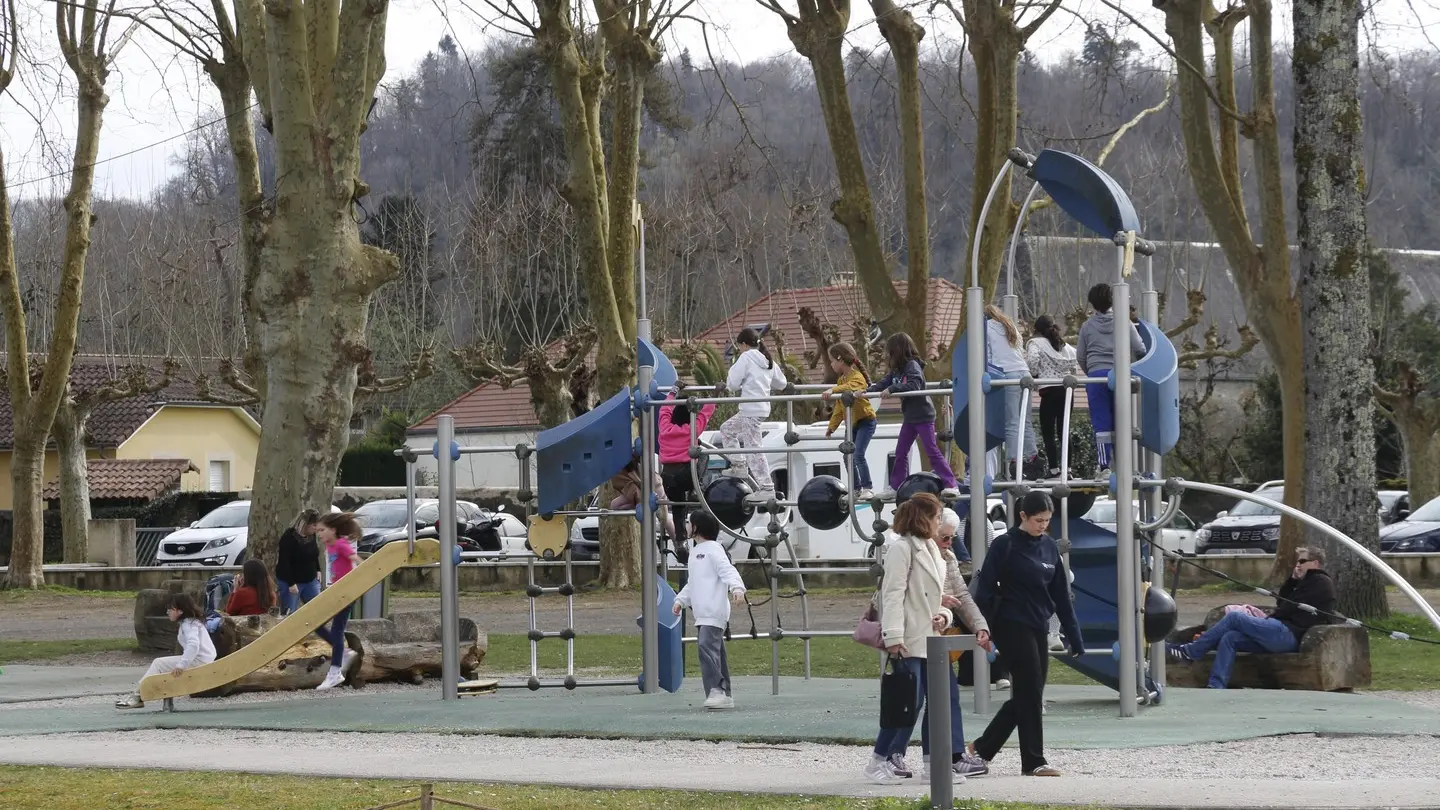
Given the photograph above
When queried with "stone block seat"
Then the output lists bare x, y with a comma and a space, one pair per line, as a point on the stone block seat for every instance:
1331, 658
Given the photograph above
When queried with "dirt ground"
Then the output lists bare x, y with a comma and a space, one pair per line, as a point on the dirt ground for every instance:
54, 617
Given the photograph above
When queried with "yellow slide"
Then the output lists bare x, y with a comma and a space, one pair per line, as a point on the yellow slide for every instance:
295, 627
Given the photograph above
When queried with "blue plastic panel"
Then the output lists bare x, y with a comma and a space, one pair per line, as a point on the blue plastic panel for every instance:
994, 402
582, 454
1085, 192
1159, 375
1092, 560
648, 354
672, 649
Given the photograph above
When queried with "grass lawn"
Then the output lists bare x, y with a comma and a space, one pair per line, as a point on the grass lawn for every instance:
9, 596
75, 789
43, 650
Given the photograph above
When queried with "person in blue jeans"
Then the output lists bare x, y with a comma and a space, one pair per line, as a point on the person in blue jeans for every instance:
1238, 632
297, 565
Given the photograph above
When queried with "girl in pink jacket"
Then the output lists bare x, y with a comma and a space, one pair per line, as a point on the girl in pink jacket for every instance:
675, 461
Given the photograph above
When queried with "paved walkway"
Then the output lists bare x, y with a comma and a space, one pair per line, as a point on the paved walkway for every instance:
20, 683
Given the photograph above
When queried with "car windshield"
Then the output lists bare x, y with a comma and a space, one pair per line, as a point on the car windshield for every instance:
1430, 511
1388, 499
381, 515
1251, 509
229, 516
1101, 512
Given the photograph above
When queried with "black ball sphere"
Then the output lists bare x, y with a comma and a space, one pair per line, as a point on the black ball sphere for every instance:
1080, 502
917, 483
822, 502
1161, 615
726, 496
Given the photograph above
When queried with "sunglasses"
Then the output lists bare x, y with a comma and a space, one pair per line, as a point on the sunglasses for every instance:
1303, 560
949, 538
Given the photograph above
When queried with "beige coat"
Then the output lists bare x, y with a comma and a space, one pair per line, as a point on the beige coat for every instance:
910, 594
968, 613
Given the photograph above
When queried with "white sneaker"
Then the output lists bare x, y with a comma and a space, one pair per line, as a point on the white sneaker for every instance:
949, 494
887, 494
864, 495
132, 701
1056, 643
347, 661
956, 776
1003, 683
878, 772
333, 678
717, 699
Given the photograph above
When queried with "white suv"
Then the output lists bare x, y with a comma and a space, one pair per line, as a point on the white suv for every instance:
218, 539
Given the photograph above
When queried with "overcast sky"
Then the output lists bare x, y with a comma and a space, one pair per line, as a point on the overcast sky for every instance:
156, 95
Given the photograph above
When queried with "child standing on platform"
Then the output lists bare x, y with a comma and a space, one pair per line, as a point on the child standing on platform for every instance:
918, 413
339, 532
755, 374
846, 363
1002, 344
1095, 351
711, 575
1050, 358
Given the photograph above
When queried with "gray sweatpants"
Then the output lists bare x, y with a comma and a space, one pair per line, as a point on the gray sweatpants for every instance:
714, 666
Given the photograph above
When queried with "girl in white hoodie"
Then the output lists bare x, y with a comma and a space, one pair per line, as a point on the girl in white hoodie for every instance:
755, 374
195, 642
711, 576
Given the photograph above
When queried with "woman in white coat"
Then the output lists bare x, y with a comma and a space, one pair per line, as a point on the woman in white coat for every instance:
910, 612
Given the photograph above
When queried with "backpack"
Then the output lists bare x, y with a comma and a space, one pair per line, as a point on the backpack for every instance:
217, 592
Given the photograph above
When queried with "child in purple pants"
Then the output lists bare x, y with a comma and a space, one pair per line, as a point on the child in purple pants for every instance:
918, 413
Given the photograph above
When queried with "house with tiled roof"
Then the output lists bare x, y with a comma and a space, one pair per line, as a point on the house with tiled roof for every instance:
491, 415
206, 446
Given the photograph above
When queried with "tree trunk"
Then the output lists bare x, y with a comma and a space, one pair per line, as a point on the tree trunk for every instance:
904, 35
995, 45
1335, 293
631, 71
620, 555
27, 538
819, 36
74, 481
1418, 420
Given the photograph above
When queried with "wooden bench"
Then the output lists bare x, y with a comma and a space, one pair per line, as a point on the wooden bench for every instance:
1331, 658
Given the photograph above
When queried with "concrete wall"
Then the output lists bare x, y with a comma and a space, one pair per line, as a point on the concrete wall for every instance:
112, 542
1421, 570
202, 435
475, 470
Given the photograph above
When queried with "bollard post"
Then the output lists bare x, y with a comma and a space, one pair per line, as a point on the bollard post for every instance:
649, 589
449, 591
1126, 554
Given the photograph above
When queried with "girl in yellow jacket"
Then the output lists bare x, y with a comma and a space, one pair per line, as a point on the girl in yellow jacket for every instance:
846, 363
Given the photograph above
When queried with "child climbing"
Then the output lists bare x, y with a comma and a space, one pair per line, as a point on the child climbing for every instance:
755, 374
917, 413
852, 377
1095, 351
339, 532
1002, 347
674, 444
195, 643
1050, 358
711, 576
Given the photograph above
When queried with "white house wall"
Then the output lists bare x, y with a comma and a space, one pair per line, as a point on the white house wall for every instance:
475, 470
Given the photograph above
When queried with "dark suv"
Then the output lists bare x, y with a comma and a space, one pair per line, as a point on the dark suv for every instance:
1248, 527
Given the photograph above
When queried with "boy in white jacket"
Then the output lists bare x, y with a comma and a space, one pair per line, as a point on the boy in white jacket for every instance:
711, 575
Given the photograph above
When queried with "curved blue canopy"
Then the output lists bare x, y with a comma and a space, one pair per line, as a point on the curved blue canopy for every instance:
1085, 192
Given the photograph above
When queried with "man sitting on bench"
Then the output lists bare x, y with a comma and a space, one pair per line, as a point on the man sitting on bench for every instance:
1280, 632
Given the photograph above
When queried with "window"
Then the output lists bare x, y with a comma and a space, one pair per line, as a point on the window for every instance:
1183, 522
219, 476
825, 469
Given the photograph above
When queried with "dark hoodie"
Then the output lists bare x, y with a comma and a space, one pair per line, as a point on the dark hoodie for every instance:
1032, 582
913, 410
1316, 589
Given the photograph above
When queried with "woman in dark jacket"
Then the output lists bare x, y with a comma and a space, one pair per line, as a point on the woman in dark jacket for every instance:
297, 570
1022, 583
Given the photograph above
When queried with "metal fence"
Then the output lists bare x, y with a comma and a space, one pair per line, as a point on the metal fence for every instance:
147, 543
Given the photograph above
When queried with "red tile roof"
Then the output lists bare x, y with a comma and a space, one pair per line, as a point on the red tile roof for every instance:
128, 479
488, 407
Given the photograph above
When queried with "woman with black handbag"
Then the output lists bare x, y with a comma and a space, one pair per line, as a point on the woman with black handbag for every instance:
910, 612
1020, 586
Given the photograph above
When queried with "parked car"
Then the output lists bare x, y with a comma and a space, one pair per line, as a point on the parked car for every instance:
1248, 527
1419, 532
1394, 505
216, 539
477, 529
1178, 537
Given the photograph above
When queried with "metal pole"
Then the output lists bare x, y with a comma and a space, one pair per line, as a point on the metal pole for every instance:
642, 323
449, 593
649, 589
1011, 301
1155, 466
1125, 550
410, 504
937, 696
975, 355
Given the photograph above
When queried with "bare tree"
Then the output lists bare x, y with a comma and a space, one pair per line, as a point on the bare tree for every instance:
1410, 402
36, 388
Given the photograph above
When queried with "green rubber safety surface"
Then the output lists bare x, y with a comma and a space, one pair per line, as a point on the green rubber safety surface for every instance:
820, 710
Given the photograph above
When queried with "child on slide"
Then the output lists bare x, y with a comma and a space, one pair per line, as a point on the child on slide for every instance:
194, 641
339, 532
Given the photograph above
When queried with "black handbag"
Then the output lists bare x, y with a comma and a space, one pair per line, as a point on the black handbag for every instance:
898, 697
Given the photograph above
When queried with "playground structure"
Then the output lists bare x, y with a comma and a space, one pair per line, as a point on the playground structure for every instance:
1118, 611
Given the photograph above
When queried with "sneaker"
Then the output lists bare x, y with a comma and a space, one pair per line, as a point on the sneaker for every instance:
333, 678
878, 772
347, 661
949, 494
1043, 770
957, 776
132, 701
1177, 653
887, 494
864, 495
969, 765
898, 766
1003, 683
1056, 643
717, 699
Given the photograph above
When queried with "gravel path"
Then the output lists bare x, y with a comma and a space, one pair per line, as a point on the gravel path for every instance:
1274, 772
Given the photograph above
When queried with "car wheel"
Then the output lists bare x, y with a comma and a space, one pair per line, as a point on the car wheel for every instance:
240, 558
